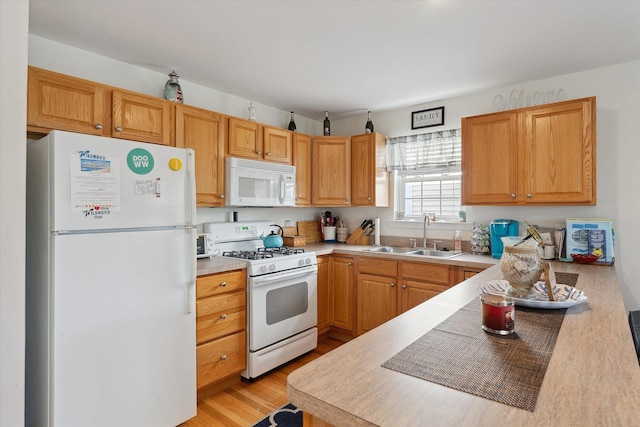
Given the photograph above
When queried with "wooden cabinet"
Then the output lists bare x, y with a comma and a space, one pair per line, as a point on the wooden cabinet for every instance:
142, 118
245, 139
324, 263
341, 293
420, 282
204, 131
543, 155
302, 162
369, 175
57, 101
254, 141
220, 326
460, 273
376, 292
331, 180
278, 145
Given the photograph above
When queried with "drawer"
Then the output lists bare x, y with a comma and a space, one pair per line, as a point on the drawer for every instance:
377, 266
221, 358
426, 272
218, 283
220, 315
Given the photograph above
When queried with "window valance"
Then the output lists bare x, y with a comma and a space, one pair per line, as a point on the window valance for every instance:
433, 152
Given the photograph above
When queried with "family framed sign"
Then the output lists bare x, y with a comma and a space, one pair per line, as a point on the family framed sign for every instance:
427, 118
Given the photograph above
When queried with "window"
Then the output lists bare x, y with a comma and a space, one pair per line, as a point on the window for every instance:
427, 173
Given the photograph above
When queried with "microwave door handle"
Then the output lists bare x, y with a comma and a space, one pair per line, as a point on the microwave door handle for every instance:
281, 192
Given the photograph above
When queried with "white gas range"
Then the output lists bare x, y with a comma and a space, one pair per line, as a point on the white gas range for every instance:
281, 294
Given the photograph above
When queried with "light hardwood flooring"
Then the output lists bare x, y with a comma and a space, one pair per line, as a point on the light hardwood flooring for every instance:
245, 403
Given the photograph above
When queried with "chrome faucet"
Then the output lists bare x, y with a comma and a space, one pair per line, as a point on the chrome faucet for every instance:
427, 222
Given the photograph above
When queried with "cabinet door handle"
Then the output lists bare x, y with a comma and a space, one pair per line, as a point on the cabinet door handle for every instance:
223, 284
369, 198
258, 152
529, 195
393, 285
99, 126
223, 357
223, 317
268, 153
118, 129
404, 286
513, 196
350, 264
222, 196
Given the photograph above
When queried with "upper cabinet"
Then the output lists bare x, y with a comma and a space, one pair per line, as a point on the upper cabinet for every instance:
142, 118
369, 175
543, 155
331, 174
245, 139
254, 141
302, 162
278, 144
56, 101
204, 131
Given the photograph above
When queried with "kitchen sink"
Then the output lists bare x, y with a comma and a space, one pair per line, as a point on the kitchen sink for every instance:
435, 253
414, 251
391, 249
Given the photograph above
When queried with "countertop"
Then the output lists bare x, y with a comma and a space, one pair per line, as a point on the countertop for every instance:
593, 377
218, 264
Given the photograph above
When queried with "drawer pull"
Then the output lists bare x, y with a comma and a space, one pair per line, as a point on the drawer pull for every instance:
223, 284
223, 357
118, 129
223, 317
98, 126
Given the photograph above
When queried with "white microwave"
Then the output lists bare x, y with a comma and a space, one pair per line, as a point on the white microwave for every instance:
257, 183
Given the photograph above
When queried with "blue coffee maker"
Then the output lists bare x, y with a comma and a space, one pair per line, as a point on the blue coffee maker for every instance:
501, 228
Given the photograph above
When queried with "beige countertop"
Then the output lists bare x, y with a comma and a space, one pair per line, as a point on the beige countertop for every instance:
218, 264
593, 377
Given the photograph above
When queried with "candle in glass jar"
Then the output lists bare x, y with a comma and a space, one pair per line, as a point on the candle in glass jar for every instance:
498, 314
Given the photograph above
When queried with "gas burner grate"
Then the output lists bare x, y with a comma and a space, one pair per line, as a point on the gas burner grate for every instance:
250, 255
284, 250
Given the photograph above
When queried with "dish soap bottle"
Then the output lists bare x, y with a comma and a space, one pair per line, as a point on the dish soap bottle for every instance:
457, 242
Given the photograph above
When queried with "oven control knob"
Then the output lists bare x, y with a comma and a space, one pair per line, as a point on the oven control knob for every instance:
263, 268
272, 267
307, 261
301, 262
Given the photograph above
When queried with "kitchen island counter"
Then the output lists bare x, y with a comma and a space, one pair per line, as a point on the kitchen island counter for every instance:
593, 377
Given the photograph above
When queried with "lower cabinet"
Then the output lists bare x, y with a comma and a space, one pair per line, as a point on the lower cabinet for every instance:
420, 282
377, 294
221, 340
324, 263
460, 274
341, 294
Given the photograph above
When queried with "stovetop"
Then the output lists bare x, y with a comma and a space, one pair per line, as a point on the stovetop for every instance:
263, 253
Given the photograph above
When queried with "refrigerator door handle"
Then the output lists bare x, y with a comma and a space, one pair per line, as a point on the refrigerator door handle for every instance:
191, 178
193, 262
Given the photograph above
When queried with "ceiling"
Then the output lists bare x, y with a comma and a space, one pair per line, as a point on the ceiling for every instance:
349, 56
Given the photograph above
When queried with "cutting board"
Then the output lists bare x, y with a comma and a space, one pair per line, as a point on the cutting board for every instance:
309, 229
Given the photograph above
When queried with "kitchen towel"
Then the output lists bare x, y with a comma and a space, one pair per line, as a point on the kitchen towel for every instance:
459, 354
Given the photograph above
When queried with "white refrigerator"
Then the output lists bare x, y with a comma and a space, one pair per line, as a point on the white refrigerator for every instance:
110, 292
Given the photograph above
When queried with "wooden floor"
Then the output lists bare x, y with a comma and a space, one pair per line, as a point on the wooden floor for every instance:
246, 403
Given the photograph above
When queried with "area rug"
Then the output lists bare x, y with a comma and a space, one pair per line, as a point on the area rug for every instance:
287, 416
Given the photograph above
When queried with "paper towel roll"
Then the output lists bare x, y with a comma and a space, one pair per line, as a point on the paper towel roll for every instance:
377, 232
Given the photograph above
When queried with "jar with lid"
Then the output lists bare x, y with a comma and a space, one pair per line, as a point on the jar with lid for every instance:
521, 266
172, 90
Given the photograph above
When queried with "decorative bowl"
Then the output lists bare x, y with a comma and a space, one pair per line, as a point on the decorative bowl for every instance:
585, 259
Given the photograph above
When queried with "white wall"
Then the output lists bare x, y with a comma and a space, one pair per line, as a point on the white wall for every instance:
616, 89
14, 27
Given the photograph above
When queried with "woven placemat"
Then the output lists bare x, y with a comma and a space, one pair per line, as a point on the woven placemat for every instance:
569, 279
459, 354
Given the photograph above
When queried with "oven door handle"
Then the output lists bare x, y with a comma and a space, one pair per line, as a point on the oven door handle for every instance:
292, 274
